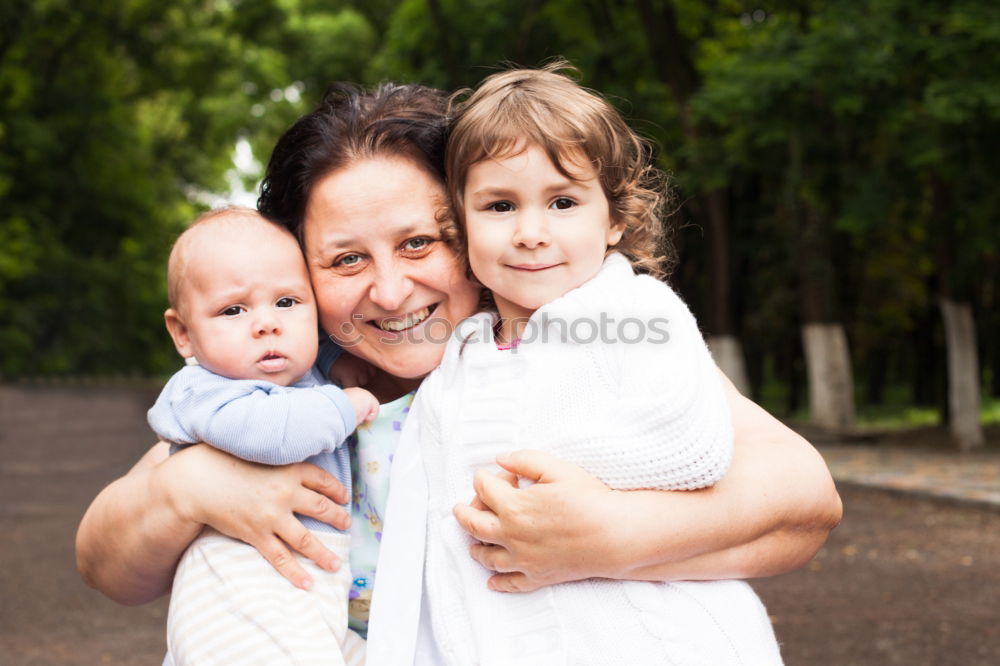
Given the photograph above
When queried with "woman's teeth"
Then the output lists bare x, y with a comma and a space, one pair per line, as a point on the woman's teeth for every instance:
403, 323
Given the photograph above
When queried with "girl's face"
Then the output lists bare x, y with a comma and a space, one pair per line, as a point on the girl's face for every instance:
533, 233
389, 290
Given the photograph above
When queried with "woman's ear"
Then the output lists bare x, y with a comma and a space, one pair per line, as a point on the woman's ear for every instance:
179, 332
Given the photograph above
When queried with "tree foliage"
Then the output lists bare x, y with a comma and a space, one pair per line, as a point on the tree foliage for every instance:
855, 144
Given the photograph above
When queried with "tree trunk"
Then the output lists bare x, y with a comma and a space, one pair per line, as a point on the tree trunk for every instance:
831, 384
963, 374
728, 354
828, 361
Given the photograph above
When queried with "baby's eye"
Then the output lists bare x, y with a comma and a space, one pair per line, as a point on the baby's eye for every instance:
285, 302
563, 203
234, 310
501, 207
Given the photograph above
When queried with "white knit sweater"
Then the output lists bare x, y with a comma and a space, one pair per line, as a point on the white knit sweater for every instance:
641, 406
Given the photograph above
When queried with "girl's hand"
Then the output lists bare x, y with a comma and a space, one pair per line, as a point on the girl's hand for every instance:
255, 504
541, 534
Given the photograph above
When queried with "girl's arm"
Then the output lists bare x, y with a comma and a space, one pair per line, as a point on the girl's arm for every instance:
135, 531
769, 514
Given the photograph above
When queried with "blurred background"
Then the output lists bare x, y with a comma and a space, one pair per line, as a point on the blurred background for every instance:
836, 227
835, 163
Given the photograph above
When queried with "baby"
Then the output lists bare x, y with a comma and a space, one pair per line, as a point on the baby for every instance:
243, 316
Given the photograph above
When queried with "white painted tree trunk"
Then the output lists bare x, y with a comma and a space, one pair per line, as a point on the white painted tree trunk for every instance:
727, 350
963, 374
831, 382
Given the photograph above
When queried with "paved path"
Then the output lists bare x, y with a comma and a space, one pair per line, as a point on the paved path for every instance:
59, 446
964, 477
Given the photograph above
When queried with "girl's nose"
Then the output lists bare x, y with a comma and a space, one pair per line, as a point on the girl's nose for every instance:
532, 230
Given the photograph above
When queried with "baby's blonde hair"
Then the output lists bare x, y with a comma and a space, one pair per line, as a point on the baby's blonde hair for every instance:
177, 263
517, 108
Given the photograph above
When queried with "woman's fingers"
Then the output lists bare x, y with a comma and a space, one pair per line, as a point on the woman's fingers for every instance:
295, 535
493, 491
322, 508
512, 582
534, 465
481, 524
322, 482
494, 558
276, 552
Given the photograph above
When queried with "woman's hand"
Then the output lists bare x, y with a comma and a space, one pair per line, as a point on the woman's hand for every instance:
255, 504
541, 534
135, 531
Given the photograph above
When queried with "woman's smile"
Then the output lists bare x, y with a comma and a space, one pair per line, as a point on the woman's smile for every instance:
399, 323
404, 291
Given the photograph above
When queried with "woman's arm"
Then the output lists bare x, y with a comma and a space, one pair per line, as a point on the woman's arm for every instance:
135, 531
769, 514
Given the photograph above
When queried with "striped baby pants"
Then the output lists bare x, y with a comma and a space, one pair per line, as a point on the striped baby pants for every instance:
230, 607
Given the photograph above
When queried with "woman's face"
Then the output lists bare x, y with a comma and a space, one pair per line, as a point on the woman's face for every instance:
389, 290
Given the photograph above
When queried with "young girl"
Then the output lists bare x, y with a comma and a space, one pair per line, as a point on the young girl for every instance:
557, 207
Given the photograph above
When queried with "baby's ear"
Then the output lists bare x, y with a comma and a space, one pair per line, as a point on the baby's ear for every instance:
179, 332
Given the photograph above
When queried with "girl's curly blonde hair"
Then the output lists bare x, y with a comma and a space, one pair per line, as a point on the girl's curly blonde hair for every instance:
513, 109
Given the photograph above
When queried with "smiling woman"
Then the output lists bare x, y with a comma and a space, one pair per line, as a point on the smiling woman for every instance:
391, 288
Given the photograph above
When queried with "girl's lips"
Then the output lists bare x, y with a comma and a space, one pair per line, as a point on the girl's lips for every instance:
532, 267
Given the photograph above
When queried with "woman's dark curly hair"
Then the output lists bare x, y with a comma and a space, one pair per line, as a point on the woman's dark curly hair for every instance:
351, 124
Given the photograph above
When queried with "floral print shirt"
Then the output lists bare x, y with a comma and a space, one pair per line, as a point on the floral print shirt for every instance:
372, 448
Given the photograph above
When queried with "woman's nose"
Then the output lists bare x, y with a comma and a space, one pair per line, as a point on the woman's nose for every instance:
531, 230
391, 287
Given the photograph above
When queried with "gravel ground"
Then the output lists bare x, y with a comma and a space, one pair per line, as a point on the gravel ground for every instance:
902, 581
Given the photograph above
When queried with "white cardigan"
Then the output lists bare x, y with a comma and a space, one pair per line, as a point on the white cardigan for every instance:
648, 414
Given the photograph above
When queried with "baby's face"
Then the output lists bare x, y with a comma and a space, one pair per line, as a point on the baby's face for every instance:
248, 306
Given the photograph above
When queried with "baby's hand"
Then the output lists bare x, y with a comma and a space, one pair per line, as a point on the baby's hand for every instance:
365, 404
349, 370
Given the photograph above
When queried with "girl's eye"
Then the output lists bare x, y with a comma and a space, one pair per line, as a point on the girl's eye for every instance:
233, 310
501, 207
563, 203
285, 302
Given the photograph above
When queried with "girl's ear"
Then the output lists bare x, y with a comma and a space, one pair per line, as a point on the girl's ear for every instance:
614, 234
179, 332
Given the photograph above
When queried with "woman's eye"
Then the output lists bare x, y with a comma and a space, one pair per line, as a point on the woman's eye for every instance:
501, 207
562, 203
417, 243
233, 310
285, 302
348, 260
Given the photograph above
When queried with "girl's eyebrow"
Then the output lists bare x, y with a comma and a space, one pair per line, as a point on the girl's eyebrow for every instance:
491, 192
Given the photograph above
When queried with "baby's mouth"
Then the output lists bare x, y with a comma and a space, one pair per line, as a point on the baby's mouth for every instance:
404, 322
272, 362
